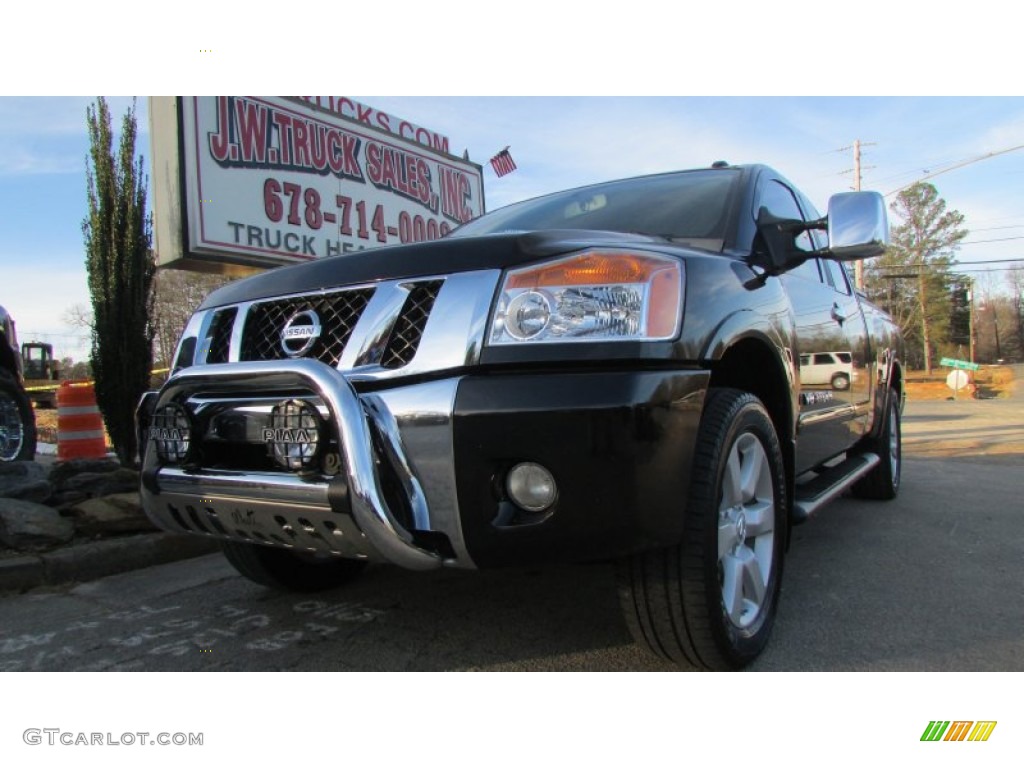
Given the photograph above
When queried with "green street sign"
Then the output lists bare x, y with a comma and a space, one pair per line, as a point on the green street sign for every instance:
948, 362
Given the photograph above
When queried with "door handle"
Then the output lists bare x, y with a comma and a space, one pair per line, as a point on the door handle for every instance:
837, 314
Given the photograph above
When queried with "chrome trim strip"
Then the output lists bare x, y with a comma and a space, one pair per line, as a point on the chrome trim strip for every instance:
241, 317
424, 415
366, 344
198, 326
285, 489
454, 334
387, 428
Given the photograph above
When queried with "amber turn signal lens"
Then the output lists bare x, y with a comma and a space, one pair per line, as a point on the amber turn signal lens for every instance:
591, 268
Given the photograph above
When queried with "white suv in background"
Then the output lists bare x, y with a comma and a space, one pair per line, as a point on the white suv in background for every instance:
832, 368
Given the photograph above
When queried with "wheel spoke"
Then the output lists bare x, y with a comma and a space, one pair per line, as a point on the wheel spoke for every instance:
894, 441
732, 588
760, 518
726, 536
753, 467
753, 581
743, 587
732, 493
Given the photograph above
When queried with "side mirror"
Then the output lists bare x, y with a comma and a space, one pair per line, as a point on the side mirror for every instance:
858, 227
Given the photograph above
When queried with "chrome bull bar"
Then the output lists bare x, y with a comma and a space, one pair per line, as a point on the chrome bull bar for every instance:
351, 420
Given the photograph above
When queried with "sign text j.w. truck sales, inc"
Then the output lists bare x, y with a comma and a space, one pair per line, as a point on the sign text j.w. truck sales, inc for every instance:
270, 180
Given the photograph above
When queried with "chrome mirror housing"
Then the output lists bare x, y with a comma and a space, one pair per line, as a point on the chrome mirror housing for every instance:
858, 227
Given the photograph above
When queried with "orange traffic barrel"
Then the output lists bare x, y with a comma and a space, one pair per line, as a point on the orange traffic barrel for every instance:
79, 423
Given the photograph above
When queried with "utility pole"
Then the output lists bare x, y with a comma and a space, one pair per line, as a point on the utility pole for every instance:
858, 266
970, 318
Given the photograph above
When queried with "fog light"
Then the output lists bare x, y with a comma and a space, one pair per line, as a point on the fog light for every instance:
171, 433
293, 437
531, 487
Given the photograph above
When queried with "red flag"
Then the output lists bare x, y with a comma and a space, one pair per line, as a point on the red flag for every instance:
503, 163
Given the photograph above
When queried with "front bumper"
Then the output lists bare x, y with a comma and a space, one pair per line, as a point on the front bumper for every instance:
423, 464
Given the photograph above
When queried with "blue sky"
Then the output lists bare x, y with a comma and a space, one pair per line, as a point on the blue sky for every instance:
557, 142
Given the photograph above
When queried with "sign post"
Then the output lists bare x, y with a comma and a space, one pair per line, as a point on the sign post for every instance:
957, 378
949, 362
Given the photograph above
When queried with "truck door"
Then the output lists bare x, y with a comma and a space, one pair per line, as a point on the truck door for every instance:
823, 428
859, 357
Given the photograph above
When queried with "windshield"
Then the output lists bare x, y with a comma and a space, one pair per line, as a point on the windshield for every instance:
691, 207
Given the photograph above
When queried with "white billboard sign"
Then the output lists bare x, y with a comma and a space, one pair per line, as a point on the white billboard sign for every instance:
247, 181
375, 118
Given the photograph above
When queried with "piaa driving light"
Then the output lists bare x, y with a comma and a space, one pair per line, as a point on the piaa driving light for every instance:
597, 295
171, 433
293, 434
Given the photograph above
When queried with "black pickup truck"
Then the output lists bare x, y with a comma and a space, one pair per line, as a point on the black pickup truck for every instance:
612, 373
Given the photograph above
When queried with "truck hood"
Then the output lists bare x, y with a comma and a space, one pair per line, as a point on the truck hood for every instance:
439, 257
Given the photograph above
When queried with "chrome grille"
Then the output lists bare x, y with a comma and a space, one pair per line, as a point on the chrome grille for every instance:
338, 313
408, 330
220, 336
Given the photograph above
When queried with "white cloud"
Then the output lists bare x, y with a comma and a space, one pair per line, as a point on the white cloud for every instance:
22, 161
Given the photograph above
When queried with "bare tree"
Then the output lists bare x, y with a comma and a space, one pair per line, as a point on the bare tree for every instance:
77, 316
177, 294
1015, 279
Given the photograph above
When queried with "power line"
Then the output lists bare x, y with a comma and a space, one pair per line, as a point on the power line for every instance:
915, 275
993, 240
921, 168
955, 166
953, 264
989, 229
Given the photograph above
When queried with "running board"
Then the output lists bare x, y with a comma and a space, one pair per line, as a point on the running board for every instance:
813, 495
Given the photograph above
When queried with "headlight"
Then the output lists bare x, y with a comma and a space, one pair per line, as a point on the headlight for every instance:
597, 295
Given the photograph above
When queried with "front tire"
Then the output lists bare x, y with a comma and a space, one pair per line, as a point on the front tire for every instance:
289, 571
710, 602
17, 422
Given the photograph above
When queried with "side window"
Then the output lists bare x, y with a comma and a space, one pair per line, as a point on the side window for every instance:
823, 358
779, 201
808, 271
838, 276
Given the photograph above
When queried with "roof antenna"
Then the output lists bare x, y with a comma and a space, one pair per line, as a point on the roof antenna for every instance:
720, 164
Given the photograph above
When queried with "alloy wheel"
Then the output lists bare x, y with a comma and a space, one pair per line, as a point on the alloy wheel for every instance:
746, 530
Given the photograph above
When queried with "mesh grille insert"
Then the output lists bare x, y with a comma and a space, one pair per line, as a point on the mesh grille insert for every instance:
408, 331
338, 314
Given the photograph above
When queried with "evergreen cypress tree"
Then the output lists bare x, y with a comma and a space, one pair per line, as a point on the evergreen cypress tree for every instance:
119, 259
